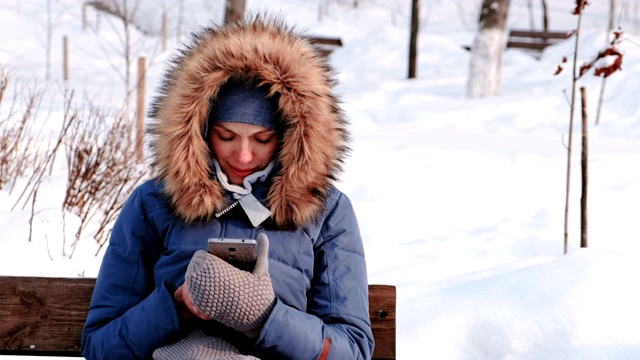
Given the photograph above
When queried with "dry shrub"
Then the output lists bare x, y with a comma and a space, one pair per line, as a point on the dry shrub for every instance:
17, 153
101, 171
99, 149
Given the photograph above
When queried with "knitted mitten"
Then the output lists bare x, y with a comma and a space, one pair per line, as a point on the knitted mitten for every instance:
236, 298
200, 346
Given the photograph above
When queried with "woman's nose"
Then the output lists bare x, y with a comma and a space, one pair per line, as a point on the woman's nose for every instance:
244, 155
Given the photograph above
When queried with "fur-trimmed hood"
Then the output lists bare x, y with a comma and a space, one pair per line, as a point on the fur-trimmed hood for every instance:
315, 139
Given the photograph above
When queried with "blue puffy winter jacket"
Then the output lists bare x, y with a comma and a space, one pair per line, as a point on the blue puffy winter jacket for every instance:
318, 275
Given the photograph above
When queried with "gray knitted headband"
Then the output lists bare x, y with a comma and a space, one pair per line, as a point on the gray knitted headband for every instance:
242, 103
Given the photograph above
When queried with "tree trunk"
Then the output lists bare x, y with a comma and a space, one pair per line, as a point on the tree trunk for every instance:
179, 24
49, 39
488, 46
532, 24
413, 43
572, 110
127, 62
612, 10
545, 16
234, 10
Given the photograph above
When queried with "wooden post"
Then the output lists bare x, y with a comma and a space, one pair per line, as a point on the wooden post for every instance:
65, 58
413, 43
140, 111
234, 10
585, 174
164, 31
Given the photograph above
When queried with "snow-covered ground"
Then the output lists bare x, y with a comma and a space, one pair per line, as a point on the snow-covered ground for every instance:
460, 201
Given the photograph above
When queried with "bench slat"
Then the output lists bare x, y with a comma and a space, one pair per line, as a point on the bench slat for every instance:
45, 316
561, 35
527, 45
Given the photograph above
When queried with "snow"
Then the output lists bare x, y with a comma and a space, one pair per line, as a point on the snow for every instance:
460, 201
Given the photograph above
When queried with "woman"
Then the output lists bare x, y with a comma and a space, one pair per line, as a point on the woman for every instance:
248, 138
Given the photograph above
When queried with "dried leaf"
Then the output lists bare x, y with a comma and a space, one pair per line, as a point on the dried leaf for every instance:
558, 70
584, 68
605, 71
580, 5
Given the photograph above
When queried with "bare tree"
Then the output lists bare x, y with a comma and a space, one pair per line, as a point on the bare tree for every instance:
488, 46
574, 82
532, 23
126, 13
126, 22
413, 43
49, 17
545, 15
49, 39
612, 9
179, 24
606, 70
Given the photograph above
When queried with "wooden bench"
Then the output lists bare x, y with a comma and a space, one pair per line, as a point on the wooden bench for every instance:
45, 316
534, 40
530, 40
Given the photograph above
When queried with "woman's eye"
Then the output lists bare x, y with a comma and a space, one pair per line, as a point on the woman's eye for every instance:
225, 138
264, 140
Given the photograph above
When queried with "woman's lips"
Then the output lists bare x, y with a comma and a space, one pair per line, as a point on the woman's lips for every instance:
241, 172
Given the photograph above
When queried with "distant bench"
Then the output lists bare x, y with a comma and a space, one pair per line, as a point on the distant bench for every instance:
45, 316
532, 40
535, 40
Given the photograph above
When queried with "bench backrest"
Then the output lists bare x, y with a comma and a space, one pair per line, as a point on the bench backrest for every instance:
326, 45
534, 40
45, 316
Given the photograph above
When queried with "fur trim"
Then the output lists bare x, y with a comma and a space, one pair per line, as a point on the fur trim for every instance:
315, 140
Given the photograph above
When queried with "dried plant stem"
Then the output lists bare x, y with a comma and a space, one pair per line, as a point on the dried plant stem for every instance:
101, 166
572, 111
38, 174
33, 207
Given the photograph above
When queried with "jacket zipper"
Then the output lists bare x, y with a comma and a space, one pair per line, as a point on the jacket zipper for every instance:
224, 211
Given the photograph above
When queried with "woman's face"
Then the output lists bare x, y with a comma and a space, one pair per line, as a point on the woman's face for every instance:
242, 149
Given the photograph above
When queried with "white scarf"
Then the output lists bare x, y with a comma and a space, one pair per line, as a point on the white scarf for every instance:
256, 212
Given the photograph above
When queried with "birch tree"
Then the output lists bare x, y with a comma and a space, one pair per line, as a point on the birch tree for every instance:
486, 54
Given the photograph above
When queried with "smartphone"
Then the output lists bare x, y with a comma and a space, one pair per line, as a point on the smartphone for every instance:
241, 253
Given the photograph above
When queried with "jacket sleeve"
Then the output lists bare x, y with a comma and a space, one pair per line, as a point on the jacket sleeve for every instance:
129, 316
336, 324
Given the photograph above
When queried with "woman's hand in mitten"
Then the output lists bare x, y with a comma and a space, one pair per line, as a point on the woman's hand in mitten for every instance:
236, 298
198, 345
